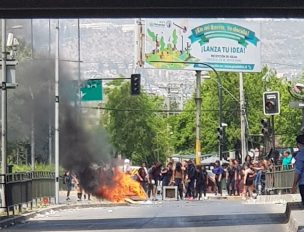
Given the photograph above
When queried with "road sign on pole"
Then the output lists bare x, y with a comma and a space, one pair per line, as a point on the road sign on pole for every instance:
91, 91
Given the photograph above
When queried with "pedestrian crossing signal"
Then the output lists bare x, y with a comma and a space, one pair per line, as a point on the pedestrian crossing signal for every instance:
271, 103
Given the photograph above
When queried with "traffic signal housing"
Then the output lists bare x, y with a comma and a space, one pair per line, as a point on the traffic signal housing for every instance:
271, 103
220, 133
135, 84
265, 127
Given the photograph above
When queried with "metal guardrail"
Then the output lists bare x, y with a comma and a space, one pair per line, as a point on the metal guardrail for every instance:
27, 187
278, 180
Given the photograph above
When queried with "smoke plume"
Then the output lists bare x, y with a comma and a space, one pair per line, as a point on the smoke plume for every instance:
83, 148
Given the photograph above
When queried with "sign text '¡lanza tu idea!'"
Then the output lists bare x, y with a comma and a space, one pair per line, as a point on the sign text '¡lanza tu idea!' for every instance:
222, 49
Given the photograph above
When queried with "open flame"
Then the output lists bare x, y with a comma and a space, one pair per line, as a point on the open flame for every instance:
121, 187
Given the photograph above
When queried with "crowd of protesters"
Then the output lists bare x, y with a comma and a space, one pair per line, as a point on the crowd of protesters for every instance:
191, 180
194, 181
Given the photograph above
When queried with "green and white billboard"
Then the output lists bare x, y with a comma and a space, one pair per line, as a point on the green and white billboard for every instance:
226, 45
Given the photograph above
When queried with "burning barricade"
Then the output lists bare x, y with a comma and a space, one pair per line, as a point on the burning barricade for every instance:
123, 187
111, 184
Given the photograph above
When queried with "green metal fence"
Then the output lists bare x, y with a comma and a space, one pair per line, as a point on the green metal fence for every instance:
27, 187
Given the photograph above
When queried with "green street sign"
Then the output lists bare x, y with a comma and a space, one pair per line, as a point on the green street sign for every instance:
91, 91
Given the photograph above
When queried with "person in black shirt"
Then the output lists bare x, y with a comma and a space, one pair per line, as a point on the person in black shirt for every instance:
201, 181
191, 179
154, 177
231, 177
166, 174
67, 180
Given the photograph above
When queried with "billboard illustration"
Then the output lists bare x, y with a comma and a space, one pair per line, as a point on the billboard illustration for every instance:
185, 43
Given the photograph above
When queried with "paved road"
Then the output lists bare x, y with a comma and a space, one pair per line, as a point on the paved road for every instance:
207, 216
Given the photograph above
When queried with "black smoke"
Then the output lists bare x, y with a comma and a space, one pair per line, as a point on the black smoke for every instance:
83, 148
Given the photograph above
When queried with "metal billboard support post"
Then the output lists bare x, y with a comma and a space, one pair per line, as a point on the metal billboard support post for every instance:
198, 103
3, 113
243, 121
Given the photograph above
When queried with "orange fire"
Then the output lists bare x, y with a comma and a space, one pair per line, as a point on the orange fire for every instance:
122, 186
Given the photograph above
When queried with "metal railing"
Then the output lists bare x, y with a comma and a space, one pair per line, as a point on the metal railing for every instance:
279, 179
26, 188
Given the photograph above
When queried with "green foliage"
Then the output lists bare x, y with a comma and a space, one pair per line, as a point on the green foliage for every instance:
142, 134
135, 130
287, 124
38, 168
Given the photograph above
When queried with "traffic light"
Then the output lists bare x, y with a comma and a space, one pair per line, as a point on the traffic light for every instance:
265, 127
135, 84
271, 103
220, 134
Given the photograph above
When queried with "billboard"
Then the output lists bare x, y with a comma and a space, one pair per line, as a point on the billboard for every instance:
226, 45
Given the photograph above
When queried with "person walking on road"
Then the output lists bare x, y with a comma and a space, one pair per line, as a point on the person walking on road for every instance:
299, 168
231, 178
201, 181
218, 172
67, 180
249, 175
191, 171
178, 176
154, 177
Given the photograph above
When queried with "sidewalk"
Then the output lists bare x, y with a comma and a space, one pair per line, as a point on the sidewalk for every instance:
63, 204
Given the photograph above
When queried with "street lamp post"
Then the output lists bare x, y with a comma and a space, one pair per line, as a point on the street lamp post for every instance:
57, 115
4, 87
198, 104
3, 112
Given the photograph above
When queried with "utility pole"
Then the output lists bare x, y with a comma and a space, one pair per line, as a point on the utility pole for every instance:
198, 102
57, 116
79, 76
33, 144
243, 121
3, 113
50, 118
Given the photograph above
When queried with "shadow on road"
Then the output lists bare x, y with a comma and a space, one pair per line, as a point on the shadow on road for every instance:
156, 222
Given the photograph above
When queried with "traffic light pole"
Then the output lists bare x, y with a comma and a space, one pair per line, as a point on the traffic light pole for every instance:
273, 132
198, 103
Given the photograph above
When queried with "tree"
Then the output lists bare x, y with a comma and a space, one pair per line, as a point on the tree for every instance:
136, 131
287, 124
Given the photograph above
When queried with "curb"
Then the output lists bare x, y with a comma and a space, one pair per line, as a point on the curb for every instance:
22, 218
294, 211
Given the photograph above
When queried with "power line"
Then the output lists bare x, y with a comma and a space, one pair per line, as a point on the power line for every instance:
147, 110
